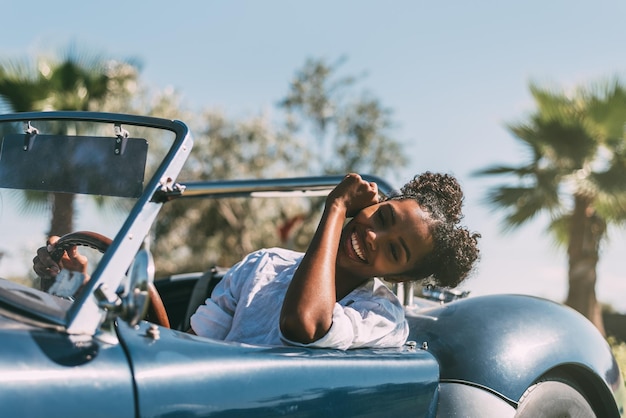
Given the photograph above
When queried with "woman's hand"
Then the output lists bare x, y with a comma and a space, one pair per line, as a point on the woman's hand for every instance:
354, 194
47, 268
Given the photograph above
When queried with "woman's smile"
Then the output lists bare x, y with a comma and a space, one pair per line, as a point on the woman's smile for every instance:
356, 247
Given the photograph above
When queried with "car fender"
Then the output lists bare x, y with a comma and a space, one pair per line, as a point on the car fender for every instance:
504, 343
45, 372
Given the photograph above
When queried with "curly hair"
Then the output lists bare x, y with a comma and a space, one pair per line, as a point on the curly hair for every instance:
455, 247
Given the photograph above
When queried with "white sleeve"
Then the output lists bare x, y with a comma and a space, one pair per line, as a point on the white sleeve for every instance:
374, 321
215, 317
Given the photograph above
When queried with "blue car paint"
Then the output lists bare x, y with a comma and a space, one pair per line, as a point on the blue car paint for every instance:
186, 375
46, 373
487, 341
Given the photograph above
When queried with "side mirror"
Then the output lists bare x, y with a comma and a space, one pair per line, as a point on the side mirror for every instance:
136, 299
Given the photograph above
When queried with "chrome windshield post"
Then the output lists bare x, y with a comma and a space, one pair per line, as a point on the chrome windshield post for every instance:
405, 292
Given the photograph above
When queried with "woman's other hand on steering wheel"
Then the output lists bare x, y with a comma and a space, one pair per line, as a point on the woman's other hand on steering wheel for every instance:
46, 267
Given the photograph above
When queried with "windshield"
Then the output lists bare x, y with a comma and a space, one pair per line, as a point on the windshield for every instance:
62, 172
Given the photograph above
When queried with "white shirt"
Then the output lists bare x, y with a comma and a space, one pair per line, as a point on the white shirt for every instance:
245, 307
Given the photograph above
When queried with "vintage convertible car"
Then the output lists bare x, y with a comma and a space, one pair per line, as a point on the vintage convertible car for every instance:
82, 345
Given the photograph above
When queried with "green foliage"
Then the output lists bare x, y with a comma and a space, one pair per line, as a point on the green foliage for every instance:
575, 173
326, 127
619, 351
192, 235
349, 125
577, 148
76, 82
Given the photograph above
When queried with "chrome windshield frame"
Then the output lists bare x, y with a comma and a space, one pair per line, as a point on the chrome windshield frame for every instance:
85, 315
278, 187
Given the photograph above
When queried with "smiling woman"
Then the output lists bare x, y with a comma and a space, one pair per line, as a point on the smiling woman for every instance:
331, 296
394, 234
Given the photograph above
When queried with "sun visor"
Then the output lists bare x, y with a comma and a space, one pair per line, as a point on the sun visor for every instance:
73, 164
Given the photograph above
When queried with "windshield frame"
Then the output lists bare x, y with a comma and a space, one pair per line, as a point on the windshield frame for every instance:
85, 314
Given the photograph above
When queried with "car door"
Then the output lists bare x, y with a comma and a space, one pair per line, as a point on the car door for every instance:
181, 374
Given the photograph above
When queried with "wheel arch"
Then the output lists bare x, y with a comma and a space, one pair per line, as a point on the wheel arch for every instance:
509, 342
589, 384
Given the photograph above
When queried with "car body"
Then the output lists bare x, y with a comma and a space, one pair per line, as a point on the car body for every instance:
83, 348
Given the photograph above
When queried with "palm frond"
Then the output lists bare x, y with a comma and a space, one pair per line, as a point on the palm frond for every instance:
504, 170
522, 204
31, 202
22, 86
606, 109
567, 144
611, 206
612, 180
559, 230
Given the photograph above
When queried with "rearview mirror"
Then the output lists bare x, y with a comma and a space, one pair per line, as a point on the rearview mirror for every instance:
90, 165
135, 301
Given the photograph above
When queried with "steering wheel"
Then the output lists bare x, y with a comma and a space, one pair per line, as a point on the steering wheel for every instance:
156, 310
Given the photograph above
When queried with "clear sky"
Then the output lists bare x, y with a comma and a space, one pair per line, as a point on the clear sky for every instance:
454, 73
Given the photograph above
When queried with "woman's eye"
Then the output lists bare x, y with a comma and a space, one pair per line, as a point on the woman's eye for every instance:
381, 218
394, 252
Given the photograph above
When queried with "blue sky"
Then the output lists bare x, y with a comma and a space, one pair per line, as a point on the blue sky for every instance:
454, 73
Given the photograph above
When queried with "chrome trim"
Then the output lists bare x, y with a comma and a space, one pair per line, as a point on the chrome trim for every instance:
319, 185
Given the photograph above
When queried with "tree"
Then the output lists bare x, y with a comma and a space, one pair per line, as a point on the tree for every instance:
192, 233
327, 128
76, 82
352, 127
576, 173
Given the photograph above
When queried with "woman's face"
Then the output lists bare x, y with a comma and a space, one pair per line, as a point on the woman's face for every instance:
385, 240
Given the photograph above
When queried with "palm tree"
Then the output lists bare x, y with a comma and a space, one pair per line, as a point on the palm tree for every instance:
76, 82
576, 174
